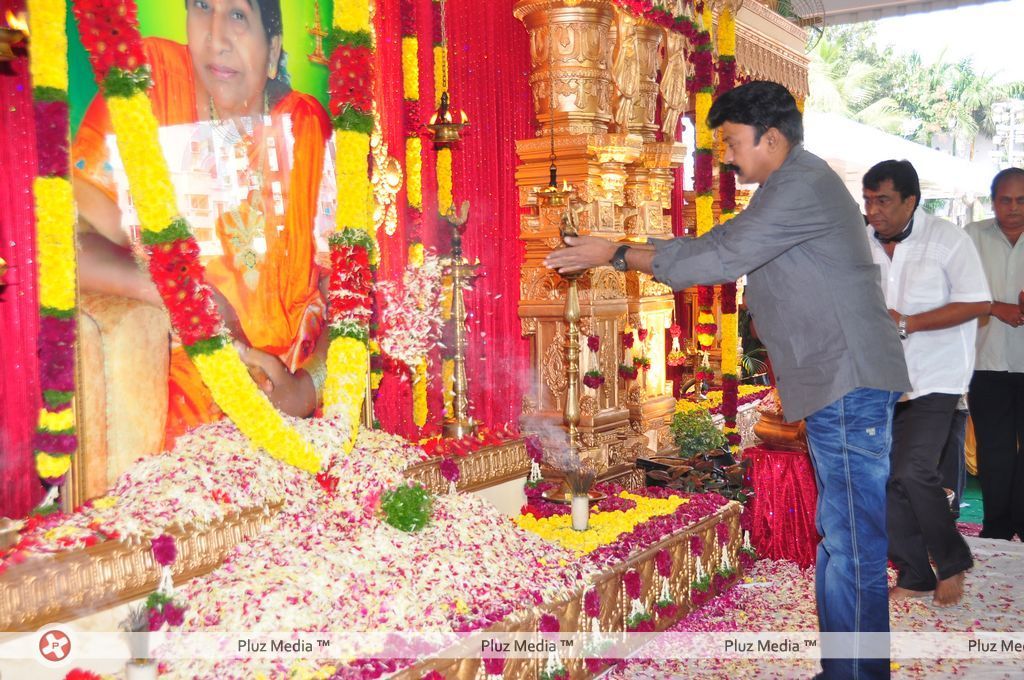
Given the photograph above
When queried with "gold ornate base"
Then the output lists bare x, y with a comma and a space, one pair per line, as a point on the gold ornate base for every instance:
615, 605
75, 583
487, 467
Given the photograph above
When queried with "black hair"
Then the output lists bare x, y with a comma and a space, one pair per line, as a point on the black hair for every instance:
762, 105
1008, 173
903, 175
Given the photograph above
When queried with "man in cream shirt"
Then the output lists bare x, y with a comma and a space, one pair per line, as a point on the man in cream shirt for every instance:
935, 289
996, 396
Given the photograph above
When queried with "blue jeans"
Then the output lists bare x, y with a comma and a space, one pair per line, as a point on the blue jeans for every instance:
849, 443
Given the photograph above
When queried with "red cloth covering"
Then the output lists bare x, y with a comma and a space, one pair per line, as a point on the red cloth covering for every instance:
782, 509
20, 489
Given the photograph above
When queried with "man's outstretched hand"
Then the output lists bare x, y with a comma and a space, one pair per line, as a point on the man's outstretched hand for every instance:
581, 253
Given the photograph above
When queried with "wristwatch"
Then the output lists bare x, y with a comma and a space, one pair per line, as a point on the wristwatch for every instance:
618, 261
901, 327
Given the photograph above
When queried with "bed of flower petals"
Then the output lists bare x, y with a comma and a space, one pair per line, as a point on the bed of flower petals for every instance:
327, 561
336, 566
779, 596
213, 472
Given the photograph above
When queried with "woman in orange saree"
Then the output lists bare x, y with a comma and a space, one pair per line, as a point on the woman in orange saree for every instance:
270, 296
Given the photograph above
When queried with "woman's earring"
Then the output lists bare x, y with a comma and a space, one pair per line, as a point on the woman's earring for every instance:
272, 71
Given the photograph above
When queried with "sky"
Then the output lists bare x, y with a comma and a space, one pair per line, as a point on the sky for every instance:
991, 33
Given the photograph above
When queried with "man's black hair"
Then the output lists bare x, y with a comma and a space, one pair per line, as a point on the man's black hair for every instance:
1008, 173
762, 105
903, 175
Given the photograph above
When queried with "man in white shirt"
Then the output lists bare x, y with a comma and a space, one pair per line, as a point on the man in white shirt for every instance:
935, 288
996, 396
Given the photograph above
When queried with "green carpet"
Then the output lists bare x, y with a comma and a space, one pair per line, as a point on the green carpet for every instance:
972, 512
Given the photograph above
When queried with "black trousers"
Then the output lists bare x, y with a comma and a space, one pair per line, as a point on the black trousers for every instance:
918, 517
952, 465
996, 399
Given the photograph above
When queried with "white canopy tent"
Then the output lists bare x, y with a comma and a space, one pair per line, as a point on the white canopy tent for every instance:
852, 148
853, 11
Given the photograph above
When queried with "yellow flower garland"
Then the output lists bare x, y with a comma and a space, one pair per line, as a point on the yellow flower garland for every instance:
414, 172
234, 391
605, 527
348, 359
419, 393
223, 372
444, 180
48, 62
352, 15
55, 242
352, 149
52, 467
410, 68
57, 422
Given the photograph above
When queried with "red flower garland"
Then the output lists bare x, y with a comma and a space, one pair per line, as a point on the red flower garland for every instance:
351, 78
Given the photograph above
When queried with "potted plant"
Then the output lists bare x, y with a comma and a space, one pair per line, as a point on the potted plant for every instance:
695, 432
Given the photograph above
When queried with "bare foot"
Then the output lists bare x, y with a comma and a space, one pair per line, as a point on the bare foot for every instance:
949, 591
898, 593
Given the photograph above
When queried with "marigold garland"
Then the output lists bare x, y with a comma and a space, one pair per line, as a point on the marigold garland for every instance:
352, 246
55, 440
727, 201
174, 254
443, 164
414, 183
701, 84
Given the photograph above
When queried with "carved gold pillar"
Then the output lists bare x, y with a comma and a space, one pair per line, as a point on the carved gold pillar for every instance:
569, 51
642, 121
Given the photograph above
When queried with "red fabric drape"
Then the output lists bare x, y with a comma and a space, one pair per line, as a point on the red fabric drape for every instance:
490, 61
782, 510
488, 64
393, 406
20, 489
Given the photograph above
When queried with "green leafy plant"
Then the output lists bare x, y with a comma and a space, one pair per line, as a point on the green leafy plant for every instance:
407, 508
695, 432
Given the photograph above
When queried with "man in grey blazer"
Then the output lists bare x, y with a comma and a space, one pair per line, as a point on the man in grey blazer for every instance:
815, 295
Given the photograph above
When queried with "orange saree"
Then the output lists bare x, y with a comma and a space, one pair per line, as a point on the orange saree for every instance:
273, 288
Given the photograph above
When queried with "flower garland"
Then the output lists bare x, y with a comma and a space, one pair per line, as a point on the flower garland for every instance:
443, 163
665, 606
352, 245
727, 201
628, 368
701, 84
160, 606
411, 322
124, 79
55, 440
554, 668
413, 182
593, 378
639, 620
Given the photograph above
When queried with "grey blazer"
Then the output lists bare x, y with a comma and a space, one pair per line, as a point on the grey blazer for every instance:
813, 289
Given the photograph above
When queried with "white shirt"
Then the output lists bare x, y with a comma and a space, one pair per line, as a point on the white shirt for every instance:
1000, 347
936, 265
